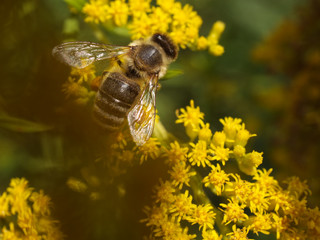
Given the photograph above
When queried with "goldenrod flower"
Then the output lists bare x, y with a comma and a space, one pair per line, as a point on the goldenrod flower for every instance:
233, 212
164, 192
199, 154
96, 11
182, 206
239, 151
220, 153
258, 200
138, 7
265, 181
217, 178
150, 149
191, 116
205, 133
180, 174
219, 139
41, 203
86, 74
119, 11
4, 205
238, 234
297, 187
260, 223
175, 154
202, 215
242, 136
239, 188
211, 235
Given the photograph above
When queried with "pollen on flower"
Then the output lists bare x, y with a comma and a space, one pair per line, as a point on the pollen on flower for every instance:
180, 174
175, 154
202, 215
199, 154
233, 212
96, 11
150, 149
217, 178
119, 11
190, 116
220, 153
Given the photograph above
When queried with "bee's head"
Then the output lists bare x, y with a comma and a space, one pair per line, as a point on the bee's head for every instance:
166, 43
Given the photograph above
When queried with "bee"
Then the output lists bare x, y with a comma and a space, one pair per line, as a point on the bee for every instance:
127, 90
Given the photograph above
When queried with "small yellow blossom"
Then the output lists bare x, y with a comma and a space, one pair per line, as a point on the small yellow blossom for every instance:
119, 10
76, 185
217, 178
176, 153
202, 215
219, 138
182, 206
260, 223
41, 203
258, 200
86, 74
180, 174
137, 7
280, 200
238, 234
96, 11
211, 235
266, 182
240, 188
4, 205
199, 154
239, 151
155, 215
202, 43
140, 27
205, 133
160, 20
297, 187
249, 163
230, 127
190, 116
216, 50
150, 149
220, 153
243, 136
164, 192
233, 212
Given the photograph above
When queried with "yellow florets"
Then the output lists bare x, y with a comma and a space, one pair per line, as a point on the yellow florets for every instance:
143, 19
27, 213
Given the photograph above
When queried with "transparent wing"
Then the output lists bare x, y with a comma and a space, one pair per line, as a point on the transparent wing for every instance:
82, 54
142, 116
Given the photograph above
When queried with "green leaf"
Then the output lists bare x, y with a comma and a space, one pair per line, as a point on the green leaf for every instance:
77, 4
171, 74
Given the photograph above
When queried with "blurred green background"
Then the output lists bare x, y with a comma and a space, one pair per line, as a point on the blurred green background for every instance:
46, 139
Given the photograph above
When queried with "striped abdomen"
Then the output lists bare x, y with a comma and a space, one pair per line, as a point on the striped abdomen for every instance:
115, 97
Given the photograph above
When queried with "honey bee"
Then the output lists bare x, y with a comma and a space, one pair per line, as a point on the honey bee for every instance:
127, 90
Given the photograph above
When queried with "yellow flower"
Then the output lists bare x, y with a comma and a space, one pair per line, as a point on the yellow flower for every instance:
11, 233
182, 206
176, 153
217, 178
258, 200
280, 200
164, 192
230, 127
119, 10
205, 133
4, 205
233, 212
265, 181
211, 235
216, 50
243, 136
202, 215
150, 149
240, 188
249, 163
19, 193
219, 138
76, 185
96, 11
202, 43
198, 154
297, 187
140, 27
238, 234
166, 5
180, 174
260, 223
137, 7
160, 20
86, 74
41, 203
155, 215
239, 151
190, 116
220, 153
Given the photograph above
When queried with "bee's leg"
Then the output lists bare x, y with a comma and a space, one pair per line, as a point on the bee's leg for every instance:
158, 86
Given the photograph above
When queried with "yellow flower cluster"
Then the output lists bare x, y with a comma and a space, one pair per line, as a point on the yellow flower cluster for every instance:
143, 19
25, 214
256, 204
79, 85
